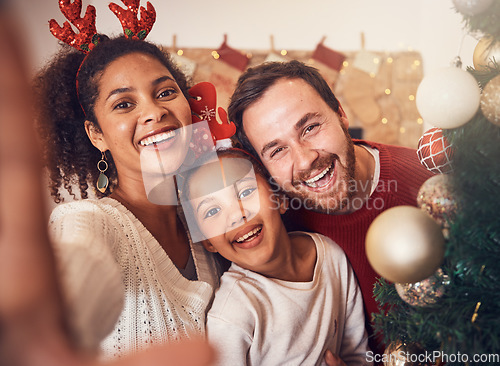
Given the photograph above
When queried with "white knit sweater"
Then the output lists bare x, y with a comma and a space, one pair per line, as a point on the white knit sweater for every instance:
116, 275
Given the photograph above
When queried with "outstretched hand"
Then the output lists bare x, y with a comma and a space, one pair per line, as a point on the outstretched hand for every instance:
32, 323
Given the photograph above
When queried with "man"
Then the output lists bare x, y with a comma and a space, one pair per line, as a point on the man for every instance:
287, 115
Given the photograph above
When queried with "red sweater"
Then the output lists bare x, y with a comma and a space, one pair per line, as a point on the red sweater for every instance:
401, 176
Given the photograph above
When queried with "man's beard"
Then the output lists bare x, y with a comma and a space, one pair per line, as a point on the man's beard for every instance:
338, 197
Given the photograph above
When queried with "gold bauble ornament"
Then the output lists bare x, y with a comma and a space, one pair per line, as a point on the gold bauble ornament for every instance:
490, 100
426, 292
437, 198
403, 354
486, 49
404, 245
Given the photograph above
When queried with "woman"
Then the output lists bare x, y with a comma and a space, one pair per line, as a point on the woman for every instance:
126, 262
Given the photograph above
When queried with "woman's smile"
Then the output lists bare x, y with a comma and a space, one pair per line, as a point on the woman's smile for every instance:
139, 101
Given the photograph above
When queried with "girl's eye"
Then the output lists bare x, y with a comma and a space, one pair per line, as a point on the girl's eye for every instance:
246, 192
212, 212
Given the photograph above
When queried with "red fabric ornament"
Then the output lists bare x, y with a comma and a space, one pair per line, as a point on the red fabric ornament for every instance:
133, 27
202, 140
434, 151
232, 57
85, 25
87, 38
328, 57
204, 104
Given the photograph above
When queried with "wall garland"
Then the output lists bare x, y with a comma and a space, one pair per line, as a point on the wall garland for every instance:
377, 89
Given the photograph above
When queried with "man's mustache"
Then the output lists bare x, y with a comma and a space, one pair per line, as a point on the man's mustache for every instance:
321, 163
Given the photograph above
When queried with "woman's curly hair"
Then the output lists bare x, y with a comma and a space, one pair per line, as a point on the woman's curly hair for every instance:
69, 156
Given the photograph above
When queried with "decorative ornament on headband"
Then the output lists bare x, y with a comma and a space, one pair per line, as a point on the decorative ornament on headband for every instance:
204, 106
87, 38
133, 27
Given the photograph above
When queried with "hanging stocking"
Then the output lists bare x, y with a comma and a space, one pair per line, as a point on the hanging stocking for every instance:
231, 56
328, 62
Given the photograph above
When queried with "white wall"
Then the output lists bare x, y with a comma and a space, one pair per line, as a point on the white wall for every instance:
431, 27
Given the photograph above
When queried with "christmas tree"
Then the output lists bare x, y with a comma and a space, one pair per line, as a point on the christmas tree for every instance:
453, 316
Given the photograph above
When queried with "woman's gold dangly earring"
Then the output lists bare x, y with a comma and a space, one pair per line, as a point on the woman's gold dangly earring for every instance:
102, 181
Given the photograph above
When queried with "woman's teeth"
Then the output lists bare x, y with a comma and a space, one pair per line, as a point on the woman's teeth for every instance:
312, 182
249, 235
161, 137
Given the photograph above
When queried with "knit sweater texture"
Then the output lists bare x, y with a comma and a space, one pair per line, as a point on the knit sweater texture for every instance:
401, 176
122, 291
262, 321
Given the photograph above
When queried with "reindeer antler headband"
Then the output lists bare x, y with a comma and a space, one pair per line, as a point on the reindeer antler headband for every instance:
87, 38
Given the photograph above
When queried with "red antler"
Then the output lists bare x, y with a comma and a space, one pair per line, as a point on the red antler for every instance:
133, 27
86, 38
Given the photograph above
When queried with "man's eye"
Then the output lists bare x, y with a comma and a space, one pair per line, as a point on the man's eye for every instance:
212, 212
277, 151
246, 192
310, 128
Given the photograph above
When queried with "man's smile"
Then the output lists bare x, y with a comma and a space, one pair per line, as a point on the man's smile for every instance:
322, 179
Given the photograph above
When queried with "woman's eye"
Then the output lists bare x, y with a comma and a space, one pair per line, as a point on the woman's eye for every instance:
246, 192
212, 212
166, 93
122, 105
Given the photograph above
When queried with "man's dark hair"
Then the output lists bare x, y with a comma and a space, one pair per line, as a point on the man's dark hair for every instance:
254, 82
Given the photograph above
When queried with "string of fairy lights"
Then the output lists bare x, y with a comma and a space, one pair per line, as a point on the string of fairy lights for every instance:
378, 60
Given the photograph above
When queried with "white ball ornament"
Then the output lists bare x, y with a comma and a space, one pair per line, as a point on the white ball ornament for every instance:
404, 245
448, 97
472, 7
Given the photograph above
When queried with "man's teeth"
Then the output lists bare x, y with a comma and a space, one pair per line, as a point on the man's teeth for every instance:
311, 182
250, 234
161, 137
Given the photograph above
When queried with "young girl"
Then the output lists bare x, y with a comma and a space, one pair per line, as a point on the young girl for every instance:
287, 297
131, 275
